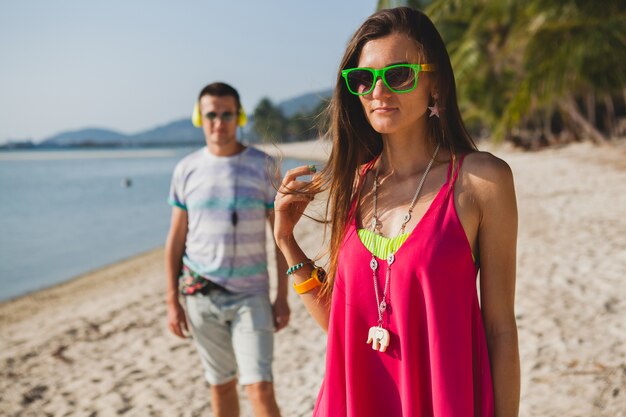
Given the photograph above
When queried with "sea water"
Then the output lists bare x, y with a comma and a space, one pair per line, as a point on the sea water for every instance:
64, 213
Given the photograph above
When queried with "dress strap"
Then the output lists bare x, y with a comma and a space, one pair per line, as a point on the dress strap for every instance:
455, 174
362, 172
367, 166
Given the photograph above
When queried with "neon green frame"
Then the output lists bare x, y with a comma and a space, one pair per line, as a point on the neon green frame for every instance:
417, 68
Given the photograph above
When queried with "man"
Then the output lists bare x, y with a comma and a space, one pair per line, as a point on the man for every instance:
221, 197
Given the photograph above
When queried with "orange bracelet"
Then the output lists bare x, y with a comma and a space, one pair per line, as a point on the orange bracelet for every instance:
317, 278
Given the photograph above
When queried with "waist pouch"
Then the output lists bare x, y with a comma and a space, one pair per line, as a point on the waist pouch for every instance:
190, 283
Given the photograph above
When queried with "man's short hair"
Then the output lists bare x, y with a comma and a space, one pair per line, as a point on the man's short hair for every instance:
219, 89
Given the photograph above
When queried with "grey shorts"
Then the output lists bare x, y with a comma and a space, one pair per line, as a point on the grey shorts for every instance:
234, 334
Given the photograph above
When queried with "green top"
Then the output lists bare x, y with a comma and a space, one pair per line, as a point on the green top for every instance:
379, 245
382, 246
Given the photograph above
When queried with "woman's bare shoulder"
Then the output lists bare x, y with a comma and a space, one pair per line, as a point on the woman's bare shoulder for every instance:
485, 164
486, 174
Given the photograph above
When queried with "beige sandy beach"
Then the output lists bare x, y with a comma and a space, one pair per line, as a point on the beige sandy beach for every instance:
98, 345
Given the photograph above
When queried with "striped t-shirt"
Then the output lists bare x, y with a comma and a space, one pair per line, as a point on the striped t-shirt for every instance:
211, 188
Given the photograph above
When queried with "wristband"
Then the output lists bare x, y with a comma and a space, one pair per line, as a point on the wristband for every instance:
294, 268
318, 275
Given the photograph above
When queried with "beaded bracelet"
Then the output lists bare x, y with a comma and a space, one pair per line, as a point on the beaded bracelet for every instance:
294, 268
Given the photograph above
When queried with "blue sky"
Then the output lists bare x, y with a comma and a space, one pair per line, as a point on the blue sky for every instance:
135, 64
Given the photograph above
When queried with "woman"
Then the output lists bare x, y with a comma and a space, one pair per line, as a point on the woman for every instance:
416, 211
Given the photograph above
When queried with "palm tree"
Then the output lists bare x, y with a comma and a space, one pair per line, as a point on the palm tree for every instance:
575, 52
416, 4
269, 121
521, 63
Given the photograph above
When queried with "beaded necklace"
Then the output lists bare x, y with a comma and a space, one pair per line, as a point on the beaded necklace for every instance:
378, 336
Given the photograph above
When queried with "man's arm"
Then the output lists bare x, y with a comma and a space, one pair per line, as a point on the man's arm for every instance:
281, 305
174, 251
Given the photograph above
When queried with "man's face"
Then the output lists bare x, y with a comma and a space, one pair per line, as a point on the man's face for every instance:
219, 119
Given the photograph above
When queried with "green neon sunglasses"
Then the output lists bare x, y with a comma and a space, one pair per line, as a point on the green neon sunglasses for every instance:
399, 78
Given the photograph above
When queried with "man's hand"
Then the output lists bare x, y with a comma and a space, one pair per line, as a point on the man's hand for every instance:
281, 312
176, 319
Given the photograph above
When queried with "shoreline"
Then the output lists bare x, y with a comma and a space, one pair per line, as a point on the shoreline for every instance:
41, 298
318, 149
80, 153
98, 343
314, 149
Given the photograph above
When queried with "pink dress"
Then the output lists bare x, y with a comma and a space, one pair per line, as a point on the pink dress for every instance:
437, 364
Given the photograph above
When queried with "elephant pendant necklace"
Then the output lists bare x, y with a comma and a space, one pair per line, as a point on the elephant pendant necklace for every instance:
378, 336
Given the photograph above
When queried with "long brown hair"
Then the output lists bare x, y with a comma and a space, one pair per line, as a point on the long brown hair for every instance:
355, 142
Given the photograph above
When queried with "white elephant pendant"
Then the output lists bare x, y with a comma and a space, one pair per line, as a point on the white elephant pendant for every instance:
379, 338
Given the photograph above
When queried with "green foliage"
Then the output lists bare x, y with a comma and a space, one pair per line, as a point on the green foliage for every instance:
515, 60
273, 126
269, 121
416, 4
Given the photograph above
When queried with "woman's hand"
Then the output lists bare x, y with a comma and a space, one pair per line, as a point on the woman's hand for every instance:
290, 203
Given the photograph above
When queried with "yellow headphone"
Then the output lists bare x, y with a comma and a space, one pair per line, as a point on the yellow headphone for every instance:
196, 116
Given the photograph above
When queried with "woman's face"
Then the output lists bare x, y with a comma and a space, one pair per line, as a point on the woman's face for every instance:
386, 111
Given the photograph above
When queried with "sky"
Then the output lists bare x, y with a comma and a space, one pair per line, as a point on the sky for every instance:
134, 65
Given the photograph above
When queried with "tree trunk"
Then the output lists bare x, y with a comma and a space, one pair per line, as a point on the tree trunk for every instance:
569, 107
590, 103
551, 138
610, 115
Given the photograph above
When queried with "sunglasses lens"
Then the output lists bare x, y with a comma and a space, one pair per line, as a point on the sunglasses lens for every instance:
360, 81
400, 78
228, 116
224, 117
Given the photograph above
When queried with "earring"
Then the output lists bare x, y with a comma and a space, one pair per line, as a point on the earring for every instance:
434, 109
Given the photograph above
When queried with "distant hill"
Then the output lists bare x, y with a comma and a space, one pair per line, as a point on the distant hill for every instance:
179, 132
85, 137
174, 133
304, 103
